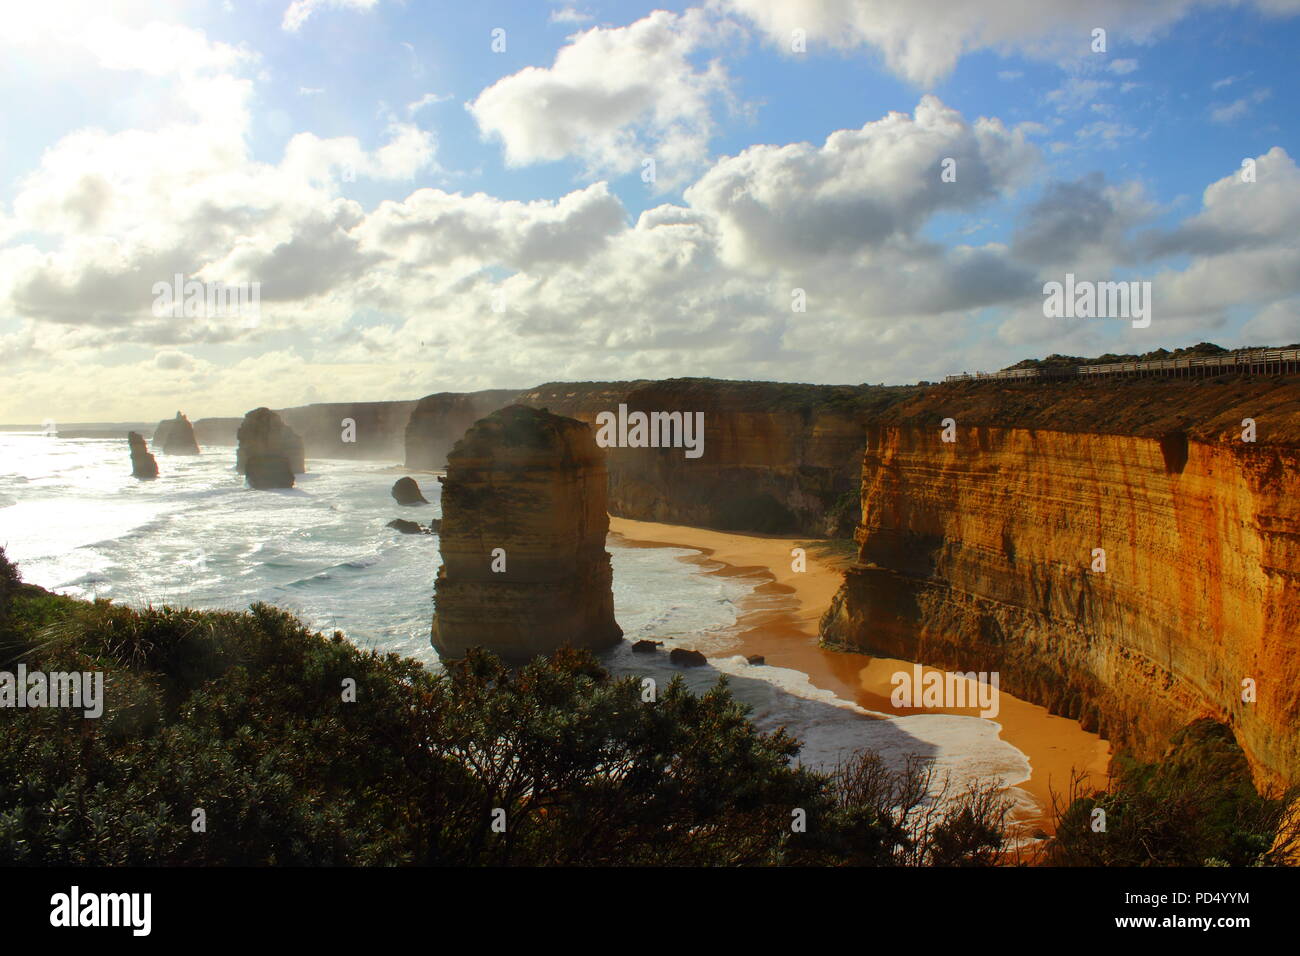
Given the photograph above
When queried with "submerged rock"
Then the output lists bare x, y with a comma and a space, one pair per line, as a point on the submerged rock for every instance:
684, 657
524, 566
143, 464
270, 452
755, 660
407, 492
646, 647
175, 436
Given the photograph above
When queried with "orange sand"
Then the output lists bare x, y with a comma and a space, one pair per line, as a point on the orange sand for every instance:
780, 622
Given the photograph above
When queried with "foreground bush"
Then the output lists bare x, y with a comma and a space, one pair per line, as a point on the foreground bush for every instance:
302, 749
1197, 807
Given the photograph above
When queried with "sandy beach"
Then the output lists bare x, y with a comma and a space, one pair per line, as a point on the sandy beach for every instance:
780, 622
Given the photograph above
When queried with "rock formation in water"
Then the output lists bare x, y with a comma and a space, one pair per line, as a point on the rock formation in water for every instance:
175, 436
408, 527
524, 566
143, 464
775, 458
987, 553
407, 492
438, 421
269, 453
685, 657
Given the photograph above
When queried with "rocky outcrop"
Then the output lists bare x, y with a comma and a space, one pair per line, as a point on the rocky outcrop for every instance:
175, 436
407, 492
684, 657
1113, 549
372, 431
775, 458
269, 453
143, 464
524, 566
407, 527
438, 421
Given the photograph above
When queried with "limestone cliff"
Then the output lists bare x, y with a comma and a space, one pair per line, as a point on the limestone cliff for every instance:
980, 554
438, 421
175, 436
270, 453
143, 464
776, 458
351, 430
217, 431
524, 566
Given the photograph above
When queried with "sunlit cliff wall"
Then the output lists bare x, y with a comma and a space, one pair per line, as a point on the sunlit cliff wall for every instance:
978, 555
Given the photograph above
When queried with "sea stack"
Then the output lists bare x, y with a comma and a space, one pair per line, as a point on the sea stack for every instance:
143, 464
407, 492
524, 566
175, 436
270, 453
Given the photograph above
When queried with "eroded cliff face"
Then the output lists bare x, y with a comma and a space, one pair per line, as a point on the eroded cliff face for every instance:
377, 431
437, 422
217, 431
351, 430
979, 554
775, 458
524, 566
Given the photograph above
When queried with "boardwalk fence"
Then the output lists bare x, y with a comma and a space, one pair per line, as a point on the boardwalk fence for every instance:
1253, 361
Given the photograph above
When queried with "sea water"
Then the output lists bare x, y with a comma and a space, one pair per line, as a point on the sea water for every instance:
76, 522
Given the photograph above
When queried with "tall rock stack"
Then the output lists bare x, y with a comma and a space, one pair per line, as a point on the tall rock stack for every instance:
175, 436
142, 463
524, 566
270, 453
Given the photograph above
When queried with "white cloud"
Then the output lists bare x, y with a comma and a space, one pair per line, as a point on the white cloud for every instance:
1239, 107
570, 15
428, 99
861, 188
300, 11
1076, 93
612, 98
922, 40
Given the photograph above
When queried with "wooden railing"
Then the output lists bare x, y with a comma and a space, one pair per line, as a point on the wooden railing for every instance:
1266, 361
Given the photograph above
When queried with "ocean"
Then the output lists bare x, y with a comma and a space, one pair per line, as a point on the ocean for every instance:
76, 522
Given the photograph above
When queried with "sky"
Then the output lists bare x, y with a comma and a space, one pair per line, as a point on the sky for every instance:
448, 196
